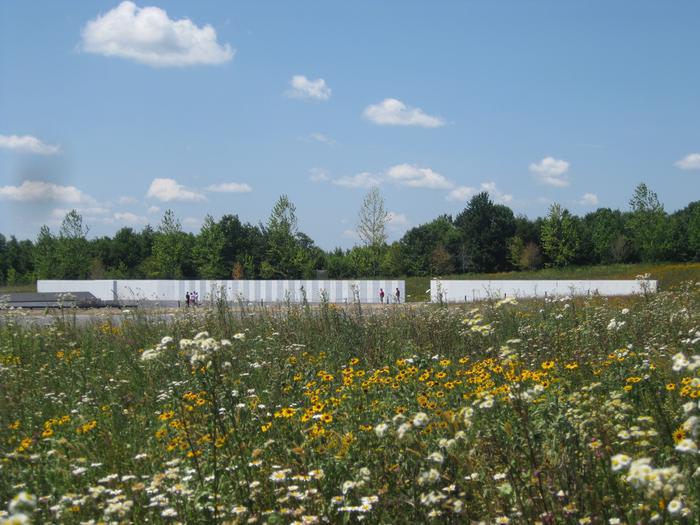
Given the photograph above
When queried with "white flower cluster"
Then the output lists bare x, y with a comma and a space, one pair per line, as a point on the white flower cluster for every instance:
505, 301
475, 324
154, 353
666, 482
681, 362
202, 347
615, 325
691, 427
21, 504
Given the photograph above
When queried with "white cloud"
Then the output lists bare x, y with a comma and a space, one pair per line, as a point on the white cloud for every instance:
90, 212
352, 234
319, 137
318, 175
167, 190
27, 144
689, 162
393, 112
192, 222
496, 194
361, 180
147, 35
153, 209
32, 191
302, 87
461, 193
550, 170
589, 199
129, 218
415, 177
397, 220
126, 200
230, 187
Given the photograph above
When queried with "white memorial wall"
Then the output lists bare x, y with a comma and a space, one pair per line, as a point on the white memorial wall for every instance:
466, 291
336, 291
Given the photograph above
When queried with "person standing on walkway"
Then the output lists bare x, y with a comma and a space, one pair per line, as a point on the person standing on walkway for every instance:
381, 295
187, 299
398, 295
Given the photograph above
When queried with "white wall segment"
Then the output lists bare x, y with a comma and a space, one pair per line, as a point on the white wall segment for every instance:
246, 290
466, 291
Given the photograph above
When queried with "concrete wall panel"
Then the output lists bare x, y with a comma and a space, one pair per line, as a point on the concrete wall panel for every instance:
169, 291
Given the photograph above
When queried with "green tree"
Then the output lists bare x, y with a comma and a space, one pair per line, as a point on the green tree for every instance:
169, 245
419, 244
286, 258
73, 249
209, 251
560, 238
607, 232
694, 230
45, 256
648, 225
484, 229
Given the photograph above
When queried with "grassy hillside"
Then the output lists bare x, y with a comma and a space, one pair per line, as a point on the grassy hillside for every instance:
668, 275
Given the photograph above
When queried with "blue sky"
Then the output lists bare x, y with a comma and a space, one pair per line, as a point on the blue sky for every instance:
124, 110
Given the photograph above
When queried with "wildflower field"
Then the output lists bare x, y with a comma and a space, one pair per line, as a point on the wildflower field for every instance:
561, 411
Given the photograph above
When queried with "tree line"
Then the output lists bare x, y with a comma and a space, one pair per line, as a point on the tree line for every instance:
484, 237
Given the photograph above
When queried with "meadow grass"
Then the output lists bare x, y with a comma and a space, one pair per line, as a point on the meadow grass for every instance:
560, 411
668, 275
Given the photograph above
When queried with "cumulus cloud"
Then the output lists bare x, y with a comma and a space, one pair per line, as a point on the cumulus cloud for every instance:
167, 190
129, 218
689, 162
361, 180
416, 177
550, 171
302, 87
397, 220
147, 35
318, 175
126, 200
230, 187
34, 191
393, 112
461, 193
589, 199
27, 144
88, 213
496, 194
153, 210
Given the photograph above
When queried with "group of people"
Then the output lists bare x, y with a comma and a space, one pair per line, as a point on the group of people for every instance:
397, 296
191, 299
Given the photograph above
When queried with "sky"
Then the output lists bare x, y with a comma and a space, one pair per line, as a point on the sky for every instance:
124, 110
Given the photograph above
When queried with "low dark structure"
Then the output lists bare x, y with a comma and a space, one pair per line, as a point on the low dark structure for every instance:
51, 300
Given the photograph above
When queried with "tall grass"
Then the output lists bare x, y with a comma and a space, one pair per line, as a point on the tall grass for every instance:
557, 411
